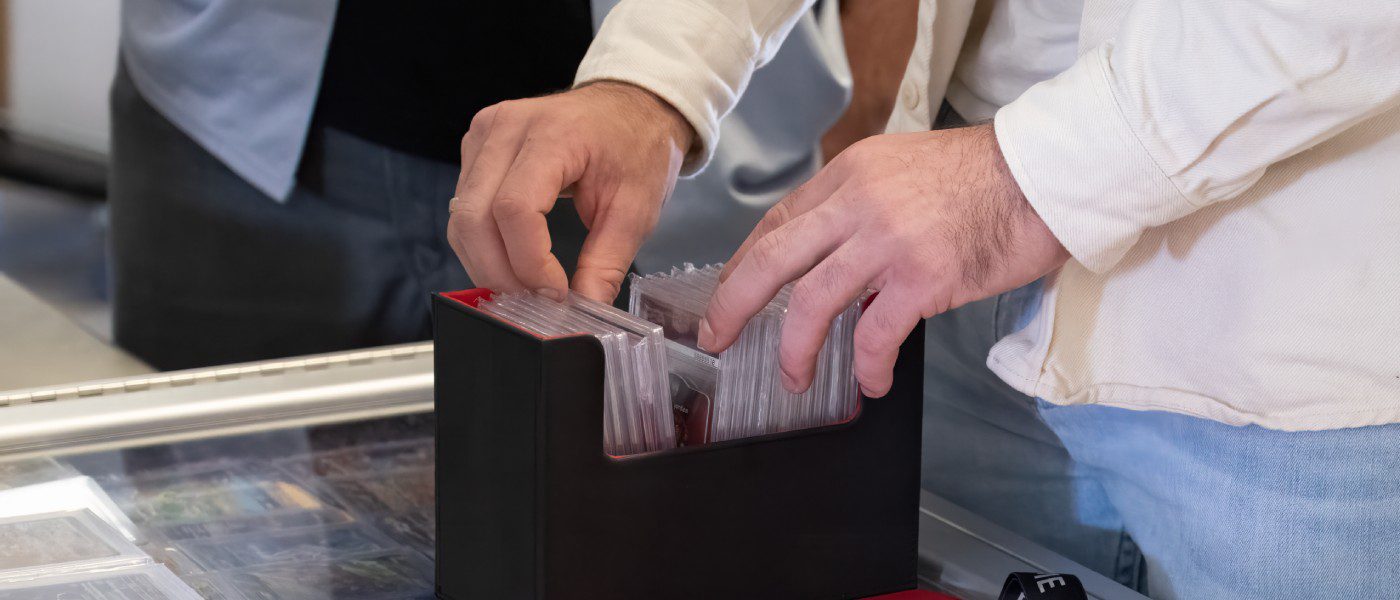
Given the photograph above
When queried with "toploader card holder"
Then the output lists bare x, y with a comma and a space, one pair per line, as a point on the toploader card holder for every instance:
530, 506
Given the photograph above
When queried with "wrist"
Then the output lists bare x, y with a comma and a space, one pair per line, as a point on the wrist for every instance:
1039, 236
647, 107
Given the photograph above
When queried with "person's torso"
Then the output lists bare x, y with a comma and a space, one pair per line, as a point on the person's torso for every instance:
1010, 46
410, 76
242, 78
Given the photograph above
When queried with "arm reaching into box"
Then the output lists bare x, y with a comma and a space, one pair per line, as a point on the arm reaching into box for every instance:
1181, 105
655, 83
933, 220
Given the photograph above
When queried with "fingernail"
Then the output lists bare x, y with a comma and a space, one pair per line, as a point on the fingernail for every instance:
706, 339
551, 293
789, 383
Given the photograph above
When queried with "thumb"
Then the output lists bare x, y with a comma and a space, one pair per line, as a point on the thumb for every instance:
614, 236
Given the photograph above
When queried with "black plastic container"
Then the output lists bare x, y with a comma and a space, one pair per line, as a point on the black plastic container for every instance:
529, 505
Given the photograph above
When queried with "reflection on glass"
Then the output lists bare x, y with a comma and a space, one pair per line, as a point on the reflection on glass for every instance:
332, 512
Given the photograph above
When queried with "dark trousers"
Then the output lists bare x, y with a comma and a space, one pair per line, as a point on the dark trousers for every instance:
208, 270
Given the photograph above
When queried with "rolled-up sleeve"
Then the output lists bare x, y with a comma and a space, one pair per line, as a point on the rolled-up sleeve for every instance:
1185, 103
697, 55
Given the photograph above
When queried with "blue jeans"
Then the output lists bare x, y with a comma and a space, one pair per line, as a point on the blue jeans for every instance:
1175, 506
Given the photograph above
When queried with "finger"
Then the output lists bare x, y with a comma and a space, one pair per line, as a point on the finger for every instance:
472, 230
793, 205
820, 295
776, 259
476, 135
480, 249
526, 195
457, 225
879, 333
612, 243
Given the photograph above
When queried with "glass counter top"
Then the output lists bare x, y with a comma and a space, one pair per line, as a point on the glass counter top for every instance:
329, 512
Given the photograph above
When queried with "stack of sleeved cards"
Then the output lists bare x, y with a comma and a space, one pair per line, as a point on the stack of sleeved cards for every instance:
637, 409
748, 396
225, 487
386, 576
70, 493
74, 555
282, 547
142, 582
34, 546
18, 473
662, 391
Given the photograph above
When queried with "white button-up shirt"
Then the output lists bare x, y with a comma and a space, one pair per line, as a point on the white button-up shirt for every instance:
1226, 175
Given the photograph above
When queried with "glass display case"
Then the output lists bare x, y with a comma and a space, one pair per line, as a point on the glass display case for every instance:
312, 478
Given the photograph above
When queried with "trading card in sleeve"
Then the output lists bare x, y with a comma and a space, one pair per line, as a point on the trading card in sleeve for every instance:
691, 412
58, 541
302, 545
676, 324
146, 582
396, 576
70, 494
210, 586
380, 494
255, 523
213, 473
207, 503
200, 478
364, 496
363, 460
173, 558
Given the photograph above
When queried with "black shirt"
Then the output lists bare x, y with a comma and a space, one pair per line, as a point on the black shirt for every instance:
410, 75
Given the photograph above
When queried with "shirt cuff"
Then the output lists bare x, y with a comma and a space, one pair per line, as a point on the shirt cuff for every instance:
687, 53
1081, 164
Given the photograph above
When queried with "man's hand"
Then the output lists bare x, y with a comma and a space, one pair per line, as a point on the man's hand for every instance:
931, 220
615, 146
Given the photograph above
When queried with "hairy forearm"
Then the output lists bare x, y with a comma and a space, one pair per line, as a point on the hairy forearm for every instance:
986, 235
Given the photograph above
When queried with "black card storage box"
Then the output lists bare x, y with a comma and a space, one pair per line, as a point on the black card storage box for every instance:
529, 505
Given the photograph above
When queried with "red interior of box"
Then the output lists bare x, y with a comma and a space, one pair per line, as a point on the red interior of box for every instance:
470, 297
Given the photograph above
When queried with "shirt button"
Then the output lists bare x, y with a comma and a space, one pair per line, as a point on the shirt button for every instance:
911, 95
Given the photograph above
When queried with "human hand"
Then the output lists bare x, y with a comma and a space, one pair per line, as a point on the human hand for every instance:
931, 220
615, 147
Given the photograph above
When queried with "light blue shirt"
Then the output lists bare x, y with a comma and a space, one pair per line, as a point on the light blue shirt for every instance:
240, 77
